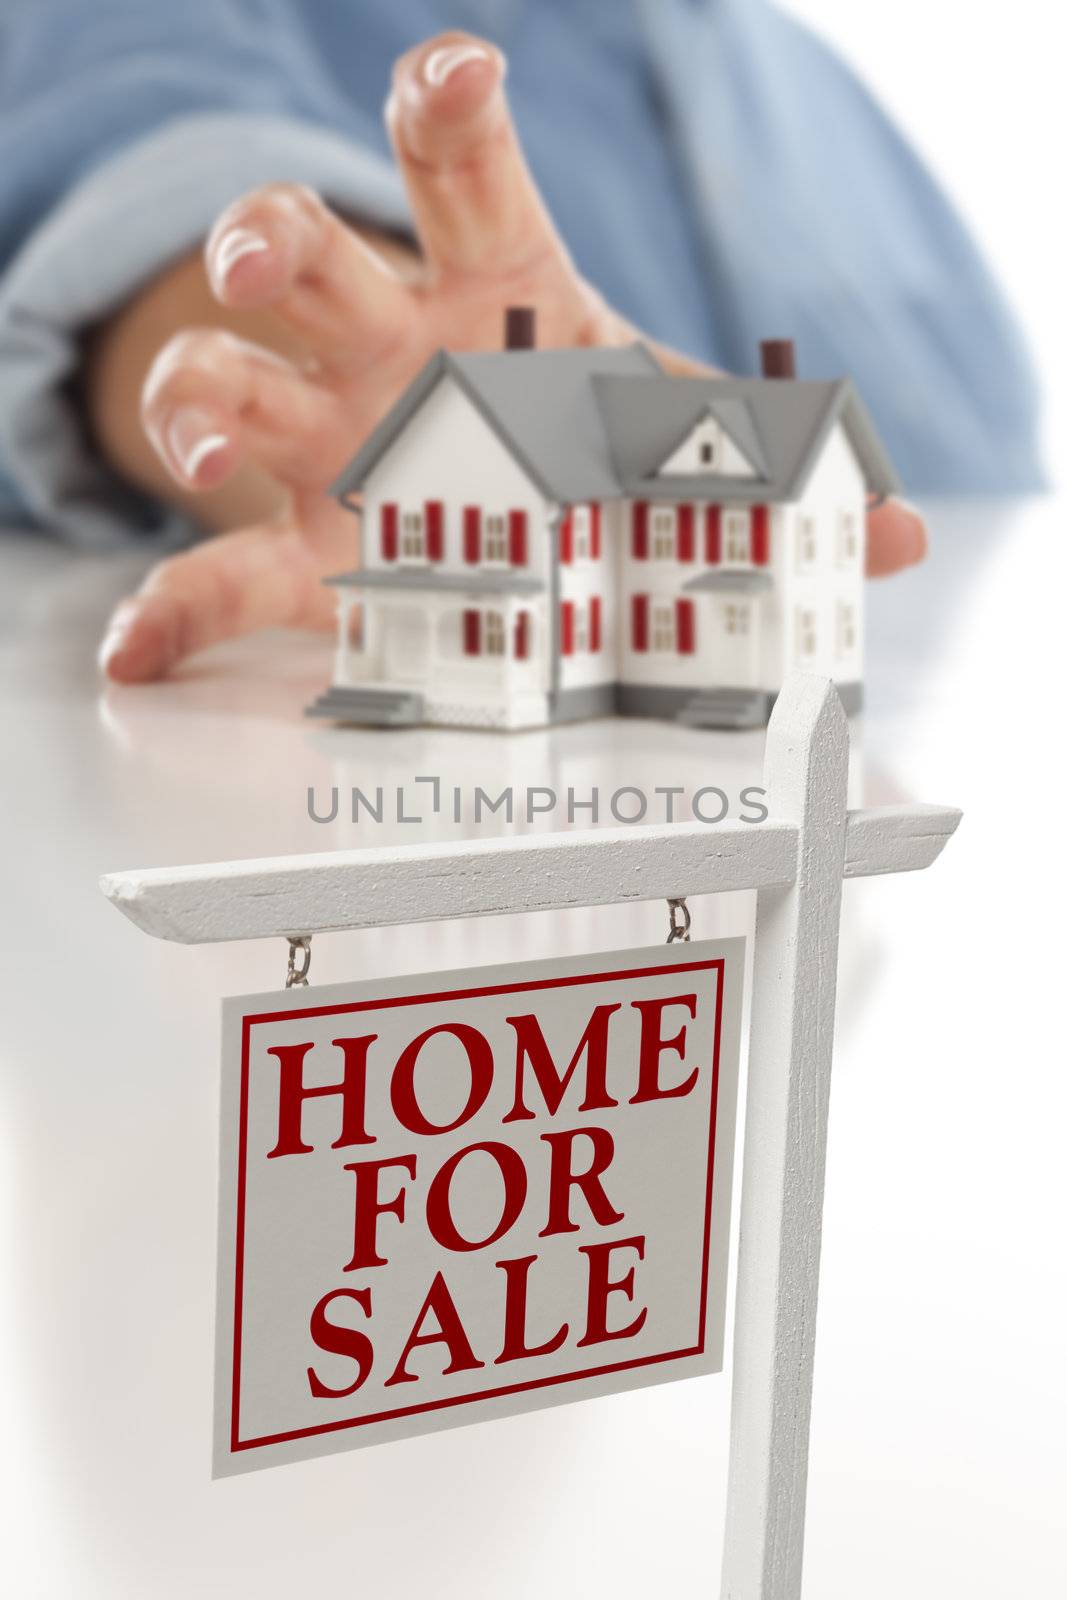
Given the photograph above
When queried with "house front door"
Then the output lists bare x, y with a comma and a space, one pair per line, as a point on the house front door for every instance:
735, 655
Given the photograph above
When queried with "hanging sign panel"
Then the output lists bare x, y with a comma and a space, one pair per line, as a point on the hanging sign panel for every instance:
459, 1196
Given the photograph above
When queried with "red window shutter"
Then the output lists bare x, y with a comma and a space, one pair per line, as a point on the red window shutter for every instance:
685, 627
566, 627
517, 538
686, 541
761, 535
472, 535
594, 623
566, 537
712, 535
640, 527
389, 521
472, 633
639, 621
522, 635
594, 531
435, 530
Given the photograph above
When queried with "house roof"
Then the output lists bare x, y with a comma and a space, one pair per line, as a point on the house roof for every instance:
592, 424
779, 424
541, 403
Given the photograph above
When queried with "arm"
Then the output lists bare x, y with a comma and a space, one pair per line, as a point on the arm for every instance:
216, 407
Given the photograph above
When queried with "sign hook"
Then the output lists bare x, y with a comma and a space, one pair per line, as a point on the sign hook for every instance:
296, 977
680, 922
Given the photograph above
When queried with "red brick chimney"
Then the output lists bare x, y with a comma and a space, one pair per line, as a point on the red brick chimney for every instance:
778, 358
520, 328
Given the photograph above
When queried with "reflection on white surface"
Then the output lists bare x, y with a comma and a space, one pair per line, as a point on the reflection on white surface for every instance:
939, 1404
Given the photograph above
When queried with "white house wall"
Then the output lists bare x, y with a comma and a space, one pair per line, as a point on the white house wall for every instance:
448, 452
830, 582
581, 579
664, 580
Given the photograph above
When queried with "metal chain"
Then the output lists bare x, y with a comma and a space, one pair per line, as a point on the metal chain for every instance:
297, 977
680, 922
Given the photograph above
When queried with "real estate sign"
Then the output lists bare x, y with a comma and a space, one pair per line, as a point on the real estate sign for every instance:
459, 1196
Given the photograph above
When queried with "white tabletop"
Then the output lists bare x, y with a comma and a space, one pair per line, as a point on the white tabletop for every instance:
939, 1401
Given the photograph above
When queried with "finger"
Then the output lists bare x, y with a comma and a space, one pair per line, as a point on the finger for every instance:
263, 577
211, 401
896, 538
282, 247
475, 204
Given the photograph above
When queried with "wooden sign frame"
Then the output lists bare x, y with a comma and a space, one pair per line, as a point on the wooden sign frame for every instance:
796, 861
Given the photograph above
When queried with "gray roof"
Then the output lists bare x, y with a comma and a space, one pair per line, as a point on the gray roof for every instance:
779, 424
540, 402
480, 580
730, 580
595, 424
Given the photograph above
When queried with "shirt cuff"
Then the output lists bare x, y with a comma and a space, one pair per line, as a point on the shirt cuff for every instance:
153, 202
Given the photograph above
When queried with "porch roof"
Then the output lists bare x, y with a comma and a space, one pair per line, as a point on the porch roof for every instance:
729, 580
431, 580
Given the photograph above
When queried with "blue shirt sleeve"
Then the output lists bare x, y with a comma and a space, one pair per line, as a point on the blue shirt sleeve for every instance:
125, 129
736, 182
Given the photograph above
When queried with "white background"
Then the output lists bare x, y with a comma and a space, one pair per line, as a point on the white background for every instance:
981, 90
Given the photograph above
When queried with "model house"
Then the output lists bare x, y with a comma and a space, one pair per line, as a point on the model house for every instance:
553, 534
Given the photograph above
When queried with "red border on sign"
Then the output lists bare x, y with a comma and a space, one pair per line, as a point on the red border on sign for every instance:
249, 1022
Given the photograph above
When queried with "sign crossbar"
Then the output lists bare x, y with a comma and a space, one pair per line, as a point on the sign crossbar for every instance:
283, 896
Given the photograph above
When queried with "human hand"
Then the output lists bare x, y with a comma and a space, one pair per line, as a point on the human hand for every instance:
359, 327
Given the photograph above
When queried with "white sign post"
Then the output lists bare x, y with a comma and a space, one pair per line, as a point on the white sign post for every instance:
796, 861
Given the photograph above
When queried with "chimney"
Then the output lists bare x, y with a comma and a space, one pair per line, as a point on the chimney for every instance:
778, 358
520, 328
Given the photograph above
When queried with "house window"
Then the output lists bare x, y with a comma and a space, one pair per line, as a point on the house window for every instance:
663, 535
848, 543
806, 640
496, 539
493, 636
736, 618
663, 625
707, 453
806, 542
412, 536
846, 628
580, 626
736, 536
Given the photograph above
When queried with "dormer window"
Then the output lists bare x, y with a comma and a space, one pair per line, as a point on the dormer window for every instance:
708, 449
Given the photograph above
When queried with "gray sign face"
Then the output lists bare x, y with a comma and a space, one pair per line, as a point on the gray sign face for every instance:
462, 1195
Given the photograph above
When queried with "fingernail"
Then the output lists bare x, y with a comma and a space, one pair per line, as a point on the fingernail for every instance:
114, 640
234, 245
441, 64
192, 436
